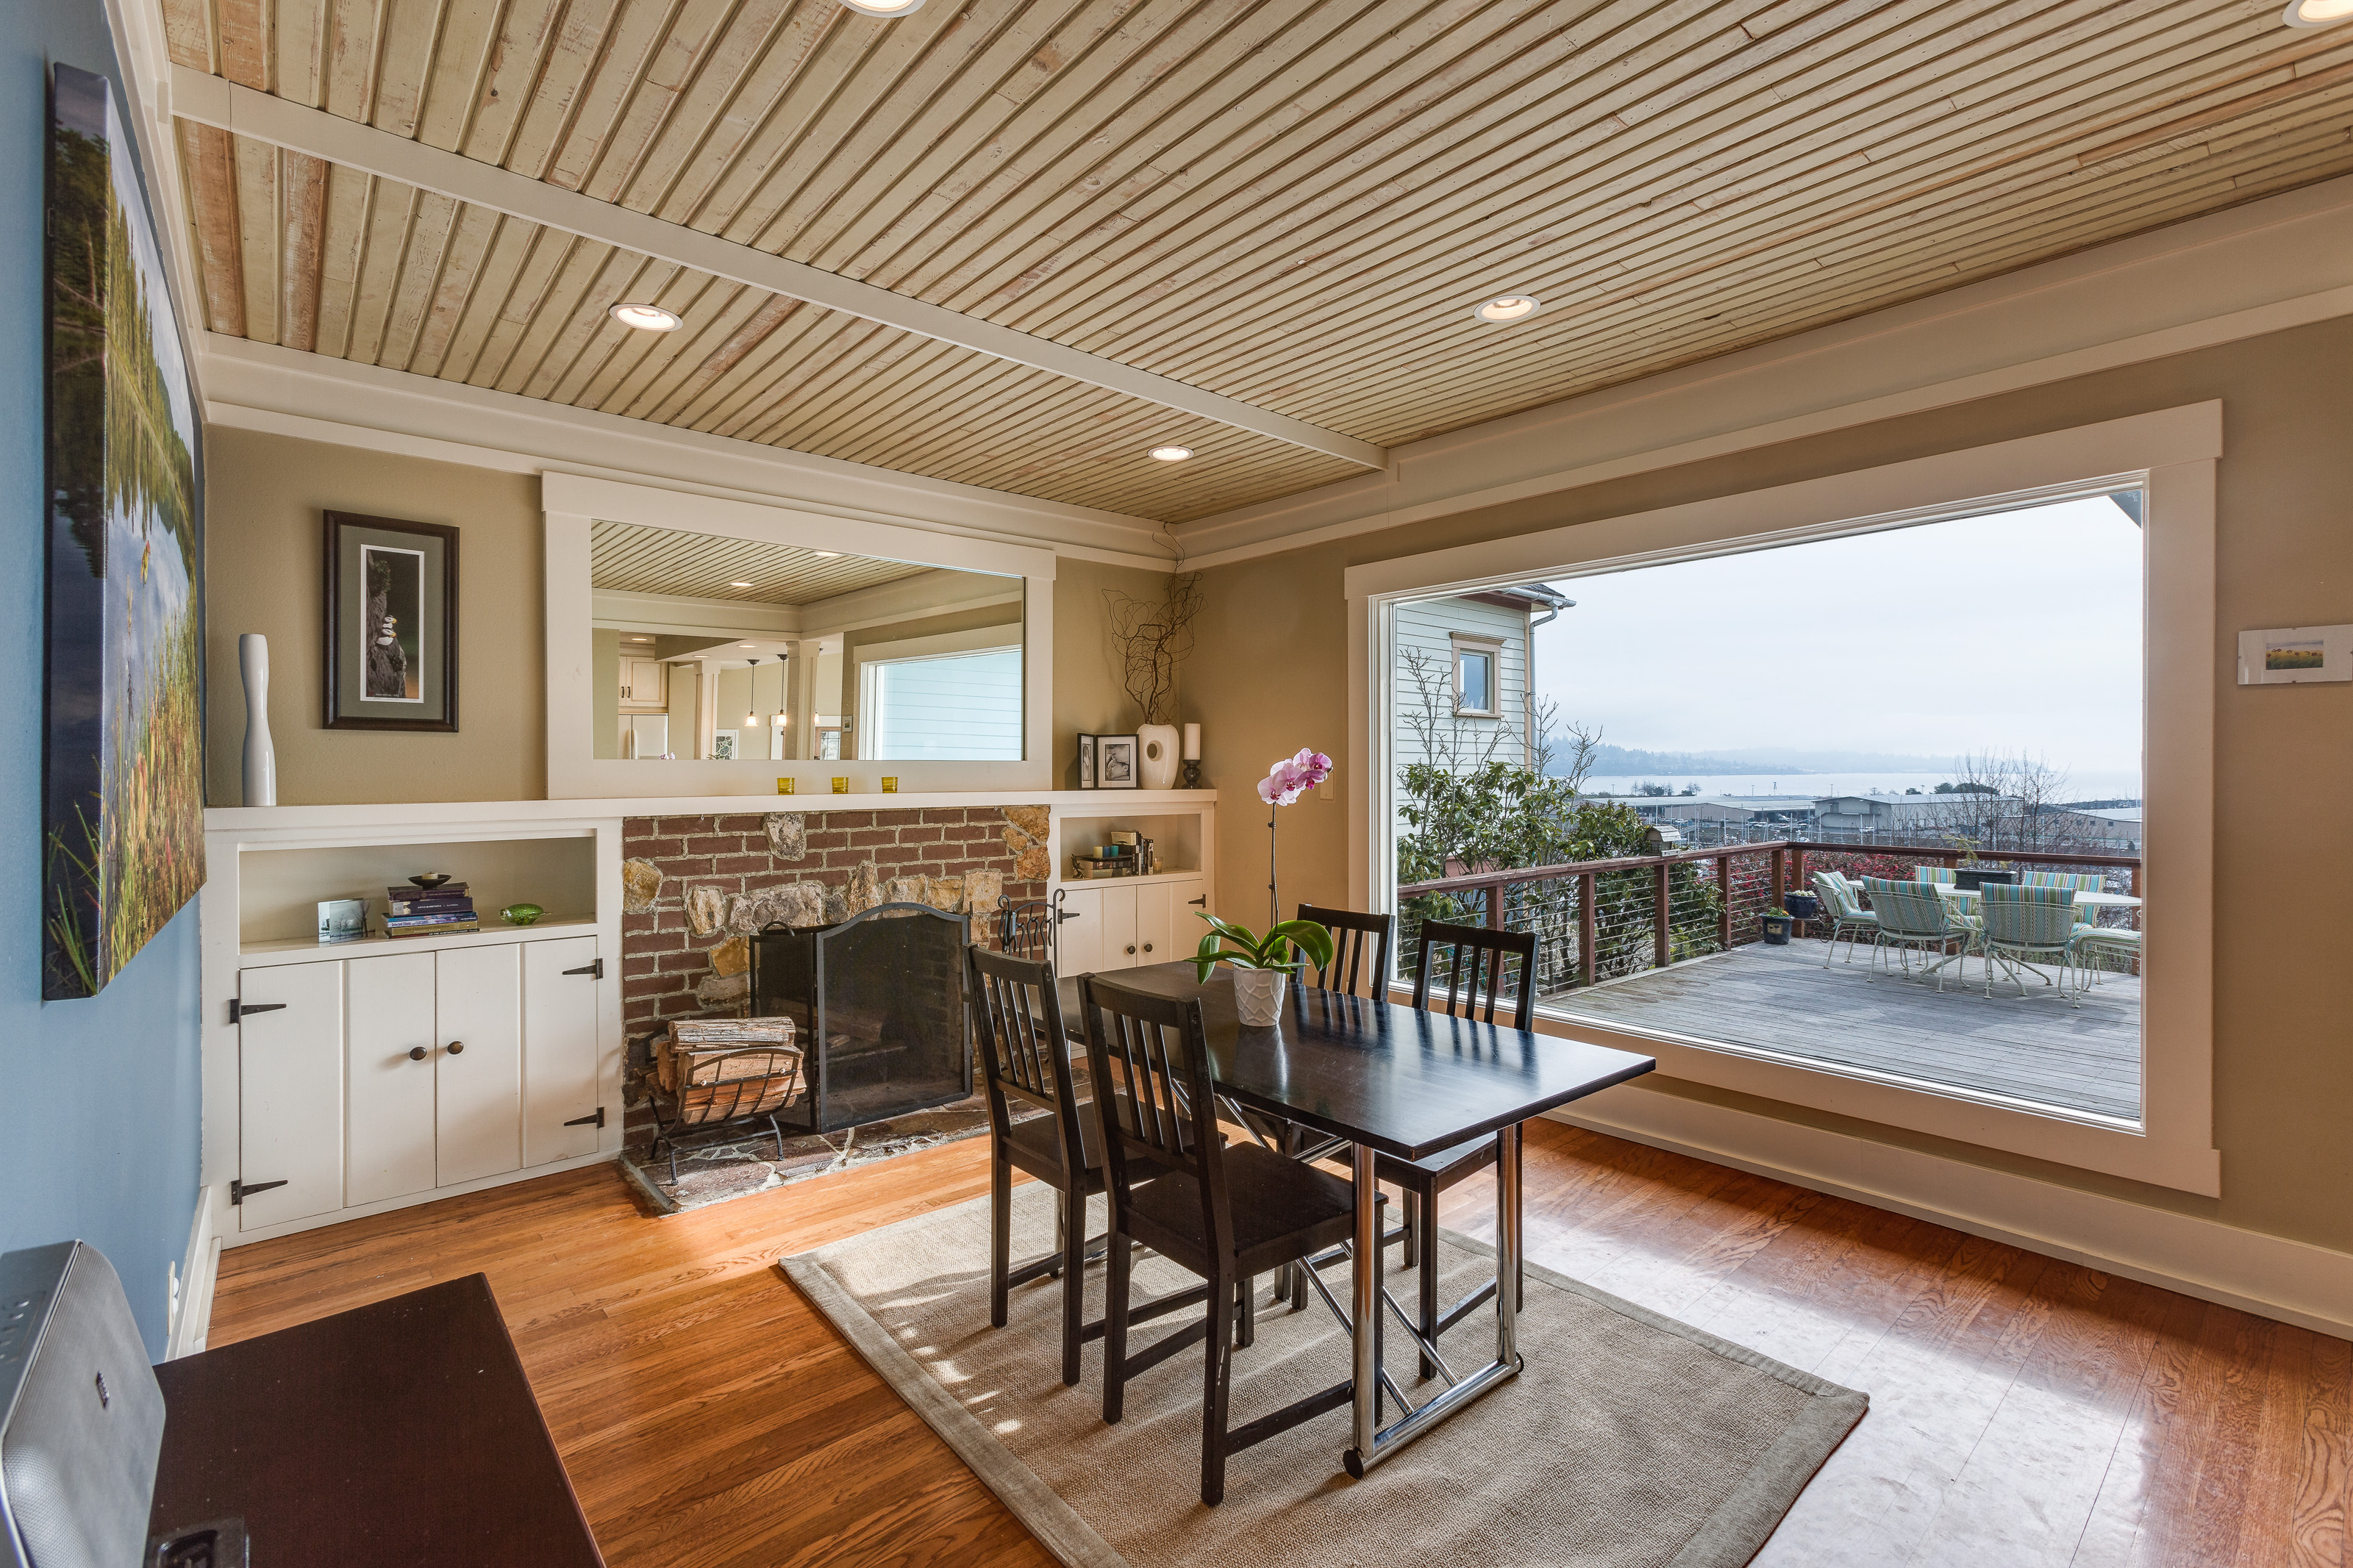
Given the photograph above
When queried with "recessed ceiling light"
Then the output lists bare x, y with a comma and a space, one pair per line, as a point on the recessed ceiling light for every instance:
1504, 308
1170, 453
739, 585
646, 318
743, 645
2316, 13
826, 554
885, 8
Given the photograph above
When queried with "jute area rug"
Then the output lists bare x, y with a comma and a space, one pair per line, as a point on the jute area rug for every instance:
1629, 1439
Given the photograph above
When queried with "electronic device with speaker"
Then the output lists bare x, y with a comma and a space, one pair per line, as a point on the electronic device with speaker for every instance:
81, 1415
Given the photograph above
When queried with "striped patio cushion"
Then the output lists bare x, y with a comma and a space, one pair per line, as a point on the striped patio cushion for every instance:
1909, 908
2080, 882
2028, 916
1934, 873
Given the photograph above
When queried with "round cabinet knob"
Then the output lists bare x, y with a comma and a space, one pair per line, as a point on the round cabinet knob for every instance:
416, 1053
456, 1045
1147, 947
1131, 947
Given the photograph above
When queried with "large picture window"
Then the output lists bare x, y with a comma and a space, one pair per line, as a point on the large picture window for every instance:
943, 706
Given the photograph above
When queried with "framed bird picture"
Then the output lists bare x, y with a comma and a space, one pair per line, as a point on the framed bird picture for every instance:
392, 624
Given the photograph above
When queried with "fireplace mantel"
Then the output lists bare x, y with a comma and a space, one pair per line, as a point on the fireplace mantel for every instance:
478, 814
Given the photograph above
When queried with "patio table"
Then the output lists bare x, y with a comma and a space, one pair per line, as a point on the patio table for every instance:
1393, 1080
2082, 901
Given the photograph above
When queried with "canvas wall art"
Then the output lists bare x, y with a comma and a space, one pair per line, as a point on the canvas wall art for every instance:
122, 805
392, 624
2293, 656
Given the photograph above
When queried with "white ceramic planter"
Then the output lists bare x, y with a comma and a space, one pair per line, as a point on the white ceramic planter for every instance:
1156, 764
1257, 995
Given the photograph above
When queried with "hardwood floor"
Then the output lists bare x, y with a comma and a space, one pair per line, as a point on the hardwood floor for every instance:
2024, 1411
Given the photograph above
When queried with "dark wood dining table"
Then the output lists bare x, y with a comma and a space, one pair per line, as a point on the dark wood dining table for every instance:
1390, 1080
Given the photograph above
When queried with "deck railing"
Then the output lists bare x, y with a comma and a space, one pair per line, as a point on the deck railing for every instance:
1603, 920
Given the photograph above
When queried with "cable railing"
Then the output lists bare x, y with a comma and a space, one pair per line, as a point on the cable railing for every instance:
1598, 921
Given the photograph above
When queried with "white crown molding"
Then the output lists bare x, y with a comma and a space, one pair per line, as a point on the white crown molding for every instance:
208, 99
2282, 262
285, 392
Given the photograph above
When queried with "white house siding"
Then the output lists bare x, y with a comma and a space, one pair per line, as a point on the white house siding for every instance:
1427, 627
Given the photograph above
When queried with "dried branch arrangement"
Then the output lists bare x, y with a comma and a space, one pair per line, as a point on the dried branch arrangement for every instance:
1151, 638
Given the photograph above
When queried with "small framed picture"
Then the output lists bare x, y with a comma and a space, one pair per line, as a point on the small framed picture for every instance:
342, 920
1087, 761
392, 624
2287, 656
1115, 762
722, 745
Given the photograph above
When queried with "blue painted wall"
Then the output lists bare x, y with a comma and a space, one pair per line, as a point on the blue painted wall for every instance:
98, 1098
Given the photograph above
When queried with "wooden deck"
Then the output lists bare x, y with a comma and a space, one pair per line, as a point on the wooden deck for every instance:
2037, 1048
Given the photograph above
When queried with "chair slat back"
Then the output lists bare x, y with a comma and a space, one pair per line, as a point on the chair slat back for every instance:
2029, 916
1908, 908
1836, 893
1475, 960
1934, 874
2080, 882
1360, 950
1027, 931
1018, 1027
1149, 1062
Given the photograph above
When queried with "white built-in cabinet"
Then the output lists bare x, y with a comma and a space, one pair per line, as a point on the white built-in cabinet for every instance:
1122, 922
645, 682
381, 1076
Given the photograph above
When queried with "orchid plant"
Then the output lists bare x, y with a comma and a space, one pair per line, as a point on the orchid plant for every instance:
1285, 782
1243, 948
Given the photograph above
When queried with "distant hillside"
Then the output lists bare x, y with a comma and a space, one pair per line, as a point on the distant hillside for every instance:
1616, 762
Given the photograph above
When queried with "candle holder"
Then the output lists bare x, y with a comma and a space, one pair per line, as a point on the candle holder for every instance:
1193, 773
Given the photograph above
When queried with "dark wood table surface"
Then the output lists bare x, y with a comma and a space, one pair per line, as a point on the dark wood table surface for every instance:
1379, 1073
403, 1432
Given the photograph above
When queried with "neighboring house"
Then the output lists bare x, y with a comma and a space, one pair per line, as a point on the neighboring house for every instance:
1473, 651
2117, 827
1795, 810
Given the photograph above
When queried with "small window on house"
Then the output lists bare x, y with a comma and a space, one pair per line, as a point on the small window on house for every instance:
1474, 679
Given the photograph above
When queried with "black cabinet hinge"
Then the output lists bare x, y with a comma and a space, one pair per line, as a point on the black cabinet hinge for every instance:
596, 1121
594, 969
238, 1008
239, 1191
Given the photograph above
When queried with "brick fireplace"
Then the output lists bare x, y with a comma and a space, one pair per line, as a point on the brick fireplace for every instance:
696, 888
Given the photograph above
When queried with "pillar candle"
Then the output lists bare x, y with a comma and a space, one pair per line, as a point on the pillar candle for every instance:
1192, 743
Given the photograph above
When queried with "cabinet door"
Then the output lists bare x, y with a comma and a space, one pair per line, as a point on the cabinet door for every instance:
559, 1049
1183, 933
1156, 925
289, 1091
1119, 943
1078, 949
478, 1075
388, 1128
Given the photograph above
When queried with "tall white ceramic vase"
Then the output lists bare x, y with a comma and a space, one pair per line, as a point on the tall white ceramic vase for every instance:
260, 758
1156, 767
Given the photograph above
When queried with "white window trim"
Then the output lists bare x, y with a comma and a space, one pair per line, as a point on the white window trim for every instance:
2172, 454
1467, 642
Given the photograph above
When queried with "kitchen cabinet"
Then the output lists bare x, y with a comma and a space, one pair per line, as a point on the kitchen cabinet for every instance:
645, 683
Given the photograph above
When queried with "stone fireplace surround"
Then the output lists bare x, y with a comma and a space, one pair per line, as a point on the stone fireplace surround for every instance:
695, 888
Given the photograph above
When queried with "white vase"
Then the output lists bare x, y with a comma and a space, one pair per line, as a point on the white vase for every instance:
261, 757
1158, 764
1257, 995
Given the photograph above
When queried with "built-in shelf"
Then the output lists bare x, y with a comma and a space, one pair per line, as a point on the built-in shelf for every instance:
261, 954
1177, 873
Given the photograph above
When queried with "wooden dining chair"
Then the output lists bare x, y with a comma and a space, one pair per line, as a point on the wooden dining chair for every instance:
1475, 960
1017, 1029
1361, 947
1225, 1213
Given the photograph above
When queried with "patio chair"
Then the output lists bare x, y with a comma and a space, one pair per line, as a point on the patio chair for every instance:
2020, 924
1934, 874
2080, 882
1914, 918
2093, 943
1843, 910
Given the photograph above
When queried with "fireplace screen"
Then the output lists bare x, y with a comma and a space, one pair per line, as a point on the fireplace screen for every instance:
879, 1001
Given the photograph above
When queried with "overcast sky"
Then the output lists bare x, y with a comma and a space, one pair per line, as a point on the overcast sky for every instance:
2018, 630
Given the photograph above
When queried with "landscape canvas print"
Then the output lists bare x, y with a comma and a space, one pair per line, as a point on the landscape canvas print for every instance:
123, 792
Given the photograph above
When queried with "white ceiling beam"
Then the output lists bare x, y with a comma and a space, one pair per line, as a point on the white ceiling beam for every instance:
212, 100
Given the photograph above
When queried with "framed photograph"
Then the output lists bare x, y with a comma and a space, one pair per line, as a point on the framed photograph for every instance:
1087, 761
342, 920
392, 624
722, 745
122, 835
1115, 762
2287, 656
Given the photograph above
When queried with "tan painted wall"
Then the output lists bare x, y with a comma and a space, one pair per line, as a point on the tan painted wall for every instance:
1270, 676
264, 495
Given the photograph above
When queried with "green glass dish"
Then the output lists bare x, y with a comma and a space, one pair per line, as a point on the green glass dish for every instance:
520, 914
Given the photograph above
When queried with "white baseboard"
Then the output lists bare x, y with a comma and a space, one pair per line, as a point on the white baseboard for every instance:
232, 1236
2292, 1282
192, 1312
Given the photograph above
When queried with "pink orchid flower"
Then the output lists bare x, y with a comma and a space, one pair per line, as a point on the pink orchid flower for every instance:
1294, 776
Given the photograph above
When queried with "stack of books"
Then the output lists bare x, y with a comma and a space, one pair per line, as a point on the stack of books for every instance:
445, 909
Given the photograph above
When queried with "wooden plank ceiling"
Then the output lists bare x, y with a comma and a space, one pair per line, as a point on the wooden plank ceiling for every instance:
630, 558
1292, 203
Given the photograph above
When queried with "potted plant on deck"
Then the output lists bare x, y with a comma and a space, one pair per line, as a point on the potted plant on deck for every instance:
1262, 965
1776, 927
